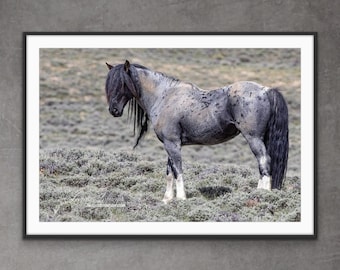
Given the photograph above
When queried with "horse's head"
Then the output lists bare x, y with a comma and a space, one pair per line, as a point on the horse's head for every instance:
123, 86
119, 88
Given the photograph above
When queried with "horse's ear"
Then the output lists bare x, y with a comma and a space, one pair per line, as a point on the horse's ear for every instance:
126, 65
109, 66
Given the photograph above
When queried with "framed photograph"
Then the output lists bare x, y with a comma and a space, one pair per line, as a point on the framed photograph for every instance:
170, 134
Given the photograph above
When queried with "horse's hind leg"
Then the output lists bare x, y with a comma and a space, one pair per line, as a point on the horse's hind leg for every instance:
259, 149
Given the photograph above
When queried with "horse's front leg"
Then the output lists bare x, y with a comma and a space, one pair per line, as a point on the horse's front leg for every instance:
175, 166
169, 193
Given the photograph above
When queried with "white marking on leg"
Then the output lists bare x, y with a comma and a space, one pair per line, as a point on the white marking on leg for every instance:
266, 182
169, 193
260, 184
180, 193
263, 161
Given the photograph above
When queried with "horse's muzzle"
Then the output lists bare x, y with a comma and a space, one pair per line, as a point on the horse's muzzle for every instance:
115, 112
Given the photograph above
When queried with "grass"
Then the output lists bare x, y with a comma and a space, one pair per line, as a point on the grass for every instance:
87, 185
88, 171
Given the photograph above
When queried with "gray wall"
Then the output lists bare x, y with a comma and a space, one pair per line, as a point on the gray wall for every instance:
169, 15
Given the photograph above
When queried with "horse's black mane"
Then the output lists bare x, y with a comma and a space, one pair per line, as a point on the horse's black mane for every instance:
119, 78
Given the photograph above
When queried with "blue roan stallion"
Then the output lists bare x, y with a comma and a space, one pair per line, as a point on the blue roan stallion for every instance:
183, 114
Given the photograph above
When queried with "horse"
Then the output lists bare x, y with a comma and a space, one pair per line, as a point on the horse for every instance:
182, 114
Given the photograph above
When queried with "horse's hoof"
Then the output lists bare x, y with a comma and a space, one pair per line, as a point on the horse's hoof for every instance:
181, 198
166, 200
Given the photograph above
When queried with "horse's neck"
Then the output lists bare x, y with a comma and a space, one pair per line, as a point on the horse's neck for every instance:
153, 86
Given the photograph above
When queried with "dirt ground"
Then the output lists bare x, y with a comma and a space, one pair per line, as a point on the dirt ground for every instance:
89, 172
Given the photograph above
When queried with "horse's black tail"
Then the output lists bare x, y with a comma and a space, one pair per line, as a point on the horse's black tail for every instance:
276, 138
